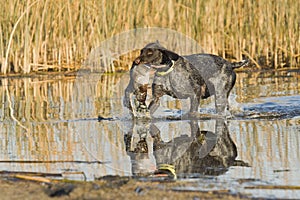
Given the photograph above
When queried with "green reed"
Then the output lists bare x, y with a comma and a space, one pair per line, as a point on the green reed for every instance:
58, 35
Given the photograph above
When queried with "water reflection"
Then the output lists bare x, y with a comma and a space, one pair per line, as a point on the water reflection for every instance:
200, 151
64, 135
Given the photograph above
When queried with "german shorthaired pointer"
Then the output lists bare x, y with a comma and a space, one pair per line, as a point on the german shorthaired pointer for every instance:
196, 76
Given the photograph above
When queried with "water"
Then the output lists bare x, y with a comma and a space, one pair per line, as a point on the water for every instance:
50, 124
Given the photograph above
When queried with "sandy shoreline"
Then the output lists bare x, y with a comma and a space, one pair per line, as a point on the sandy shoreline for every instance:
116, 188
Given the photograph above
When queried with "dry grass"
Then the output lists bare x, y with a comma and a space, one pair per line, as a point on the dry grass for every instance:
57, 35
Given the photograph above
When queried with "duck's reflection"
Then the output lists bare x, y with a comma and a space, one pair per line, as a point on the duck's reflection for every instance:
200, 151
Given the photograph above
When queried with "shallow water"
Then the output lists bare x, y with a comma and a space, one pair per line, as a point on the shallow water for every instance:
50, 124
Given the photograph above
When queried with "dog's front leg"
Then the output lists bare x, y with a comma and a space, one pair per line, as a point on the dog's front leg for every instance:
157, 92
141, 96
126, 101
154, 104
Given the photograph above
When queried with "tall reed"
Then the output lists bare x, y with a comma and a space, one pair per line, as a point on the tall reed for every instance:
58, 35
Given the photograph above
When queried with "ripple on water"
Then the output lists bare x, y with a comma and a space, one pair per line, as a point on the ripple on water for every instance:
273, 107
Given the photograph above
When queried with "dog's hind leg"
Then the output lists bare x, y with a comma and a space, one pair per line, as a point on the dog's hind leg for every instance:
221, 88
195, 100
221, 103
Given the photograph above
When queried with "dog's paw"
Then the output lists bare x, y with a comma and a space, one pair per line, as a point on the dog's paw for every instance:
142, 112
142, 109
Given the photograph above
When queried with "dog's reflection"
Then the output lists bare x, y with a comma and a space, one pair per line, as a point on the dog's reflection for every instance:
200, 151
141, 143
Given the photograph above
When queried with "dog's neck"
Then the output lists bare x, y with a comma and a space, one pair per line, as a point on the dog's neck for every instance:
169, 68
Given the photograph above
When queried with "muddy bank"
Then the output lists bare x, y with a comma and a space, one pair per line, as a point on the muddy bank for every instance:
115, 188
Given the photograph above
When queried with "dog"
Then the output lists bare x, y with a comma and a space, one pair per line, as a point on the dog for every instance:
196, 76
138, 86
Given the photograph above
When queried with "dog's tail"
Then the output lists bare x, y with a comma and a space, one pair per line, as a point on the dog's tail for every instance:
242, 63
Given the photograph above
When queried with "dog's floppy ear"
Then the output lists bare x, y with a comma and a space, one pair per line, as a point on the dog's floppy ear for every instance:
170, 54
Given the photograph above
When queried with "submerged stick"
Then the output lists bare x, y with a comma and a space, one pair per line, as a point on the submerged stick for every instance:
52, 161
31, 178
43, 174
272, 187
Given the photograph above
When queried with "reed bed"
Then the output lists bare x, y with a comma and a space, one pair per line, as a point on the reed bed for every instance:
57, 35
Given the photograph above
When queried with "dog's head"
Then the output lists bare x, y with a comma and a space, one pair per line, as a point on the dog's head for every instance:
156, 55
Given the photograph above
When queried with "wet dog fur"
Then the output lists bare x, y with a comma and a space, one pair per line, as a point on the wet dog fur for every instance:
196, 76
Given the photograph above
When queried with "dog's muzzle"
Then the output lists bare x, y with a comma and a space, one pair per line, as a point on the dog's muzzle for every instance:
137, 60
